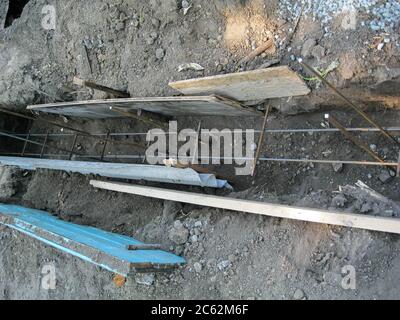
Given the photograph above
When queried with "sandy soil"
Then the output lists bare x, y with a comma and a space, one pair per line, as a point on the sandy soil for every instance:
234, 255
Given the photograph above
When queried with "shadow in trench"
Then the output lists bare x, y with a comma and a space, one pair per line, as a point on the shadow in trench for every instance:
15, 9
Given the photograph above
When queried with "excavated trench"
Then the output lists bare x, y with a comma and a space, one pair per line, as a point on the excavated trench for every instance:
15, 8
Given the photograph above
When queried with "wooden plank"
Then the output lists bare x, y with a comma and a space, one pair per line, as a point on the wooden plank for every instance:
169, 106
390, 225
247, 86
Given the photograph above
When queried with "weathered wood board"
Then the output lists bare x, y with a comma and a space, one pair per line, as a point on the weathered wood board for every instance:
169, 106
391, 225
247, 86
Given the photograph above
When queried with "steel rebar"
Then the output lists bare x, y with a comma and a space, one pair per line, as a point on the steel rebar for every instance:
8, 135
348, 101
83, 133
260, 141
332, 120
318, 161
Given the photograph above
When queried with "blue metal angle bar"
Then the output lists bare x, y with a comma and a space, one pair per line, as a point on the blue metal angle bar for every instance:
106, 249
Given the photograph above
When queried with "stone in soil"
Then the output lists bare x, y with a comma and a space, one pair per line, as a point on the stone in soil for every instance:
145, 279
339, 201
223, 265
299, 295
160, 53
197, 267
338, 167
307, 47
385, 176
179, 234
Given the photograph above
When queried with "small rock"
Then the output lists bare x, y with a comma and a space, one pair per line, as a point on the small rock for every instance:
150, 40
385, 176
145, 279
179, 250
385, 151
366, 207
348, 65
179, 234
178, 224
223, 265
211, 263
307, 46
339, 201
120, 25
198, 224
338, 167
160, 53
154, 35
155, 22
318, 52
349, 21
299, 295
194, 238
197, 267
170, 211
373, 147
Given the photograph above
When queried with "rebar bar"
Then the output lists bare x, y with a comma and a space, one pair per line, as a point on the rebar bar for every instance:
8, 135
140, 157
332, 120
83, 133
302, 130
260, 141
348, 101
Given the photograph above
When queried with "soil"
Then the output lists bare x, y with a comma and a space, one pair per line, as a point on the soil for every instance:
234, 255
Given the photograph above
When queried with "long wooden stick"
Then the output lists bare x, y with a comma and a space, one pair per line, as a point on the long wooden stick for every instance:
390, 225
259, 50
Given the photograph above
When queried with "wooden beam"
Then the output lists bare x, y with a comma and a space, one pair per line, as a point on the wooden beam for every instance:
390, 225
247, 86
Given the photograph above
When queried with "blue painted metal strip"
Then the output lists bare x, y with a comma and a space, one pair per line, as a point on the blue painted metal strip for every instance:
31, 222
